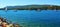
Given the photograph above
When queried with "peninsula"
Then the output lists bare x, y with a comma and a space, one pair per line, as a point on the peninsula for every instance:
32, 7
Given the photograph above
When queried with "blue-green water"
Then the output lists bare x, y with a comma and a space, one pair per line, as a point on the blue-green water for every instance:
33, 18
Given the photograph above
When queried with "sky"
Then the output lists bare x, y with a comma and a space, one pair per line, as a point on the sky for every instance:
4, 3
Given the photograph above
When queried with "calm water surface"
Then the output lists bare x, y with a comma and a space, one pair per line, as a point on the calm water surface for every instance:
33, 18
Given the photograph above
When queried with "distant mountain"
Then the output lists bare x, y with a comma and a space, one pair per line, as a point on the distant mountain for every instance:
33, 7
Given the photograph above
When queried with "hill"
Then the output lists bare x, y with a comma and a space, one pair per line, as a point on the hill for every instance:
32, 7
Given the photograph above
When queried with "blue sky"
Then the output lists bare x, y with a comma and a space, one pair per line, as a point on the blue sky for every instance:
4, 3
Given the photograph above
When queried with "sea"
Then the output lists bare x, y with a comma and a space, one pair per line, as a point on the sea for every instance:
32, 18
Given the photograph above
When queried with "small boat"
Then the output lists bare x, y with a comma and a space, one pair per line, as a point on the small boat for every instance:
55, 9
38, 9
5, 9
15, 10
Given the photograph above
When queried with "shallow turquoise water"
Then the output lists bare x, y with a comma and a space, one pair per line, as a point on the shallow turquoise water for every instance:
33, 18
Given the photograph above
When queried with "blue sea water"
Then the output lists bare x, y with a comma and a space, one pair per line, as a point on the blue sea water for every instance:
33, 18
